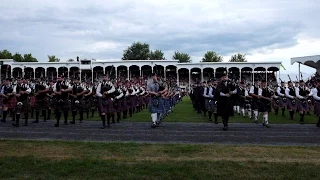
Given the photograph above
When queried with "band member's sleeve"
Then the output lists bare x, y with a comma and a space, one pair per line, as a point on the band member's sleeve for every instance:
205, 92
251, 90
210, 92
120, 95
279, 91
315, 94
127, 93
29, 90
2, 90
246, 93
133, 91
54, 88
69, 85
14, 89
287, 93
235, 91
311, 93
113, 89
99, 90
90, 89
297, 93
259, 92
143, 91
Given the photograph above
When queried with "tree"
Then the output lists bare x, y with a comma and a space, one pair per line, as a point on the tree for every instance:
70, 60
212, 56
29, 58
5, 54
137, 51
17, 57
182, 57
156, 55
238, 58
53, 59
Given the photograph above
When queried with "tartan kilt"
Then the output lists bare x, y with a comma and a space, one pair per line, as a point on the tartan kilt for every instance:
129, 102
40, 104
166, 104
303, 106
25, 108
242, 103
94, 102
106, 106
291, 104
33, 101
51, 103
87, 103
62, 104
210, 105
146, 100
134, 100
117, 104
317, 108
124, 104
282, 102
11, 102
159, 108
265, 107
255, 104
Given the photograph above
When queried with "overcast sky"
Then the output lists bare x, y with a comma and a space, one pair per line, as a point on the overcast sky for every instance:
272, 30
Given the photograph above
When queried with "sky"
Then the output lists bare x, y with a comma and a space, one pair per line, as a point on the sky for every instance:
273, 30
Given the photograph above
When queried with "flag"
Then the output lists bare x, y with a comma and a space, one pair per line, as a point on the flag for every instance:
282, 66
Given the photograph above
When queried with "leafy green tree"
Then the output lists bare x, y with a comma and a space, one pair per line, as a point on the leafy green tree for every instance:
182, 57
29, 58
17, 57
5, 54
238, 58
212, 56
53, 59
137, 51
156, 55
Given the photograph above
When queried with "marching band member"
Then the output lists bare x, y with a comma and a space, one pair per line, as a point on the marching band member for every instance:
290, 93
224, 103
104, 91
156, 106
77, 101
254, 93
209, 100
243, 93
282, 98
40, 90
87, 98
302, 97
119, 95
61, 91
21, 91
316, 97
265, 95
51, 100
9, 100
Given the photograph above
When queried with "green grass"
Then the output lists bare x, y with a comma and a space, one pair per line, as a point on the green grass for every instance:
184, 112
90, 160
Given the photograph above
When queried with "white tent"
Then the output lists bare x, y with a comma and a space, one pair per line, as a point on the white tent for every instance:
311, 61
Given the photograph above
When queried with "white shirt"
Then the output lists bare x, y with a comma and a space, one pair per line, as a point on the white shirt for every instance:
110, 91
315, 94
55, 85
287, 93
26, 85
278, 91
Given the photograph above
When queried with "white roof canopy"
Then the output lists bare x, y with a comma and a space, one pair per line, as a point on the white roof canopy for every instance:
311, 61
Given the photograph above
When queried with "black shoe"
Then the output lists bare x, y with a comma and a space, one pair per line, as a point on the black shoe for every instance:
225, 129
56, 125
80, 121
35, 121
267, 126
103, 127
44, 120
3, 120
318, 125
71, 122
256, 122
153, 125
65, 123
216, 122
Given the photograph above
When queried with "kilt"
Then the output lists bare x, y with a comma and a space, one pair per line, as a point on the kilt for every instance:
124, 104
11, 102
264, 107
303, 106
146, 100
87, 103
33, 101
40, 104
117, 104
94, 102
51, 103
156, 108
255, 104
129, 102
210, 105
242, 103
317, 108
24, 108
134, 100
166, 104
282, 102
62, 104
106, 105
291, 104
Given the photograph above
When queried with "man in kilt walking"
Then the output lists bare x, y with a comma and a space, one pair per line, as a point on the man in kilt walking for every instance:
22, 91
156, 104
9, 101
40, 90
316, 97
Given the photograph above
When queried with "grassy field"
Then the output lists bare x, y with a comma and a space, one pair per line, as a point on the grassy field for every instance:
89, 160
